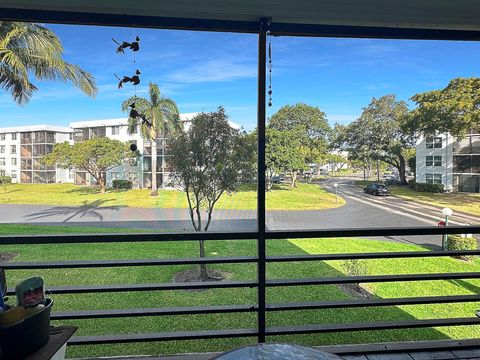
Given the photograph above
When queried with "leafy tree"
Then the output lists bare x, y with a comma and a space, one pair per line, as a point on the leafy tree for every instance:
412, 164
27, 49
209, 159
283, 153
95, 156
163, 120
379, 134
336, 161
454, 109
311, 125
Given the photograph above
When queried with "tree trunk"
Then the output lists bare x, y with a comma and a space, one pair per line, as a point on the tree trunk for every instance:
401, 171
364, 173
154, 191
378, 170
294, 179
203, 267
163, 162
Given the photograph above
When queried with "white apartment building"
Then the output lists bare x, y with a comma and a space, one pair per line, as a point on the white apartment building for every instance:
21, 149
450, 161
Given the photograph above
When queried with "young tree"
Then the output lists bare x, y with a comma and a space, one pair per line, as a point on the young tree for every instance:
95, 156
454, 109
283, 153
26, 49
162, 118
209, 159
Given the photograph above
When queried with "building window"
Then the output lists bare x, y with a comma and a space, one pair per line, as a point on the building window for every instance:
115, 175
2, 136
433, 161
2, 161
14, 161
2, 149
434, 143
115, 130
70, 136
433, 178
13, 149
14, 136
14, 174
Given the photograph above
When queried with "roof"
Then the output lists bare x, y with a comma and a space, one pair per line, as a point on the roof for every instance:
314, 17
29, 128
116, 121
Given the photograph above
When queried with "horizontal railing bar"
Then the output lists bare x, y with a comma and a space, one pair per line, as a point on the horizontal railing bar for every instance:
123, 263
125, 313
374, 255
372, 278
400, 324
387, 231
123, 237
192, 236
147, 287
373, 302
167, 336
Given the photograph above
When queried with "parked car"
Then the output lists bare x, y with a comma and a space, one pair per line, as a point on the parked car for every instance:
377, 189
394, 180
276, 180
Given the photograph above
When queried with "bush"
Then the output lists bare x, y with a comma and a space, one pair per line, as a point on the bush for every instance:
122, 184
5, 179
411, 183
355, 267
457, 242
433, 188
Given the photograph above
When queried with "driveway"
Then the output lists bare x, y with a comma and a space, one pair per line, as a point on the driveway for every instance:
361, 210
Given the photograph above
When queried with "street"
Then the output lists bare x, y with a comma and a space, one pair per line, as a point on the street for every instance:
360, 211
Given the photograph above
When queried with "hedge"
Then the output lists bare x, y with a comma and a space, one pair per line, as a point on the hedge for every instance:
5, 179
121, 184
433, 188
457, 242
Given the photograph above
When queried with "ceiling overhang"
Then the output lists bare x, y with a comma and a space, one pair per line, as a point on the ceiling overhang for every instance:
446, 19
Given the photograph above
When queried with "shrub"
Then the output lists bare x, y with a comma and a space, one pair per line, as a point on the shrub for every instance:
121, 184
411, 183
355, 267
5, 179
433, 188
457, 242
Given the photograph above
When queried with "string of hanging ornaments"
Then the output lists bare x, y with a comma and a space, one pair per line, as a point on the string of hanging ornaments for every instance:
270, 92
133, 46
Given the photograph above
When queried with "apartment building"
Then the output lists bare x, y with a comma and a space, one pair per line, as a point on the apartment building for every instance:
453, 162
21, 149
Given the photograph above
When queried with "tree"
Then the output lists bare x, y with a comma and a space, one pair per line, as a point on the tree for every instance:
209, 159
283, 153
163, 120
27, 48
311, 125
379, 134
95, 156
336, 161
454, 109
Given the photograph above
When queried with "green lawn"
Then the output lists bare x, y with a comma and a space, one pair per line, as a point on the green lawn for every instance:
465, 202
281, 197
247, 296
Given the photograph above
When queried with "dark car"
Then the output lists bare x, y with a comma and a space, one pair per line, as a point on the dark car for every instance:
377, 189
276, 180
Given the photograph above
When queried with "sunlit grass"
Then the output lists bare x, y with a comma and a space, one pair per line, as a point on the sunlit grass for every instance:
281, 197
165, 274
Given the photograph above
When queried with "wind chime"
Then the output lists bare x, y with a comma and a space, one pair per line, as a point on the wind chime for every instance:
134, 80
269, 69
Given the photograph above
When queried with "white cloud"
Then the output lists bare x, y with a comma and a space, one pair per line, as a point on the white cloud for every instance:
216, 70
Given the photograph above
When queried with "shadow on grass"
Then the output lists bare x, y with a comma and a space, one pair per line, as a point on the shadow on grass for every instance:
88, 209
466, 285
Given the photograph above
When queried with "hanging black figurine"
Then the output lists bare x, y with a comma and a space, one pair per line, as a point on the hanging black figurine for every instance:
134, 114
134, 46
135, 80
269, 72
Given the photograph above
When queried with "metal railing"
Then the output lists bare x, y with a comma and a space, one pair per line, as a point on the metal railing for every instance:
261, 330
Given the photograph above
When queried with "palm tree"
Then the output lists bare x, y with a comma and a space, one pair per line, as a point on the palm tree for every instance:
162, 118
27, 48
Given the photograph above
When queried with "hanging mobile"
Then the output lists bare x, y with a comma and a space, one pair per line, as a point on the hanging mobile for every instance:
269, 70
134, 46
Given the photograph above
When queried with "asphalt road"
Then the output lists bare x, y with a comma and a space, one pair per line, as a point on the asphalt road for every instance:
361, 210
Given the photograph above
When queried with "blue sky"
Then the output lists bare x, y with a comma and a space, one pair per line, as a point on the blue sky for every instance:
202, 70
